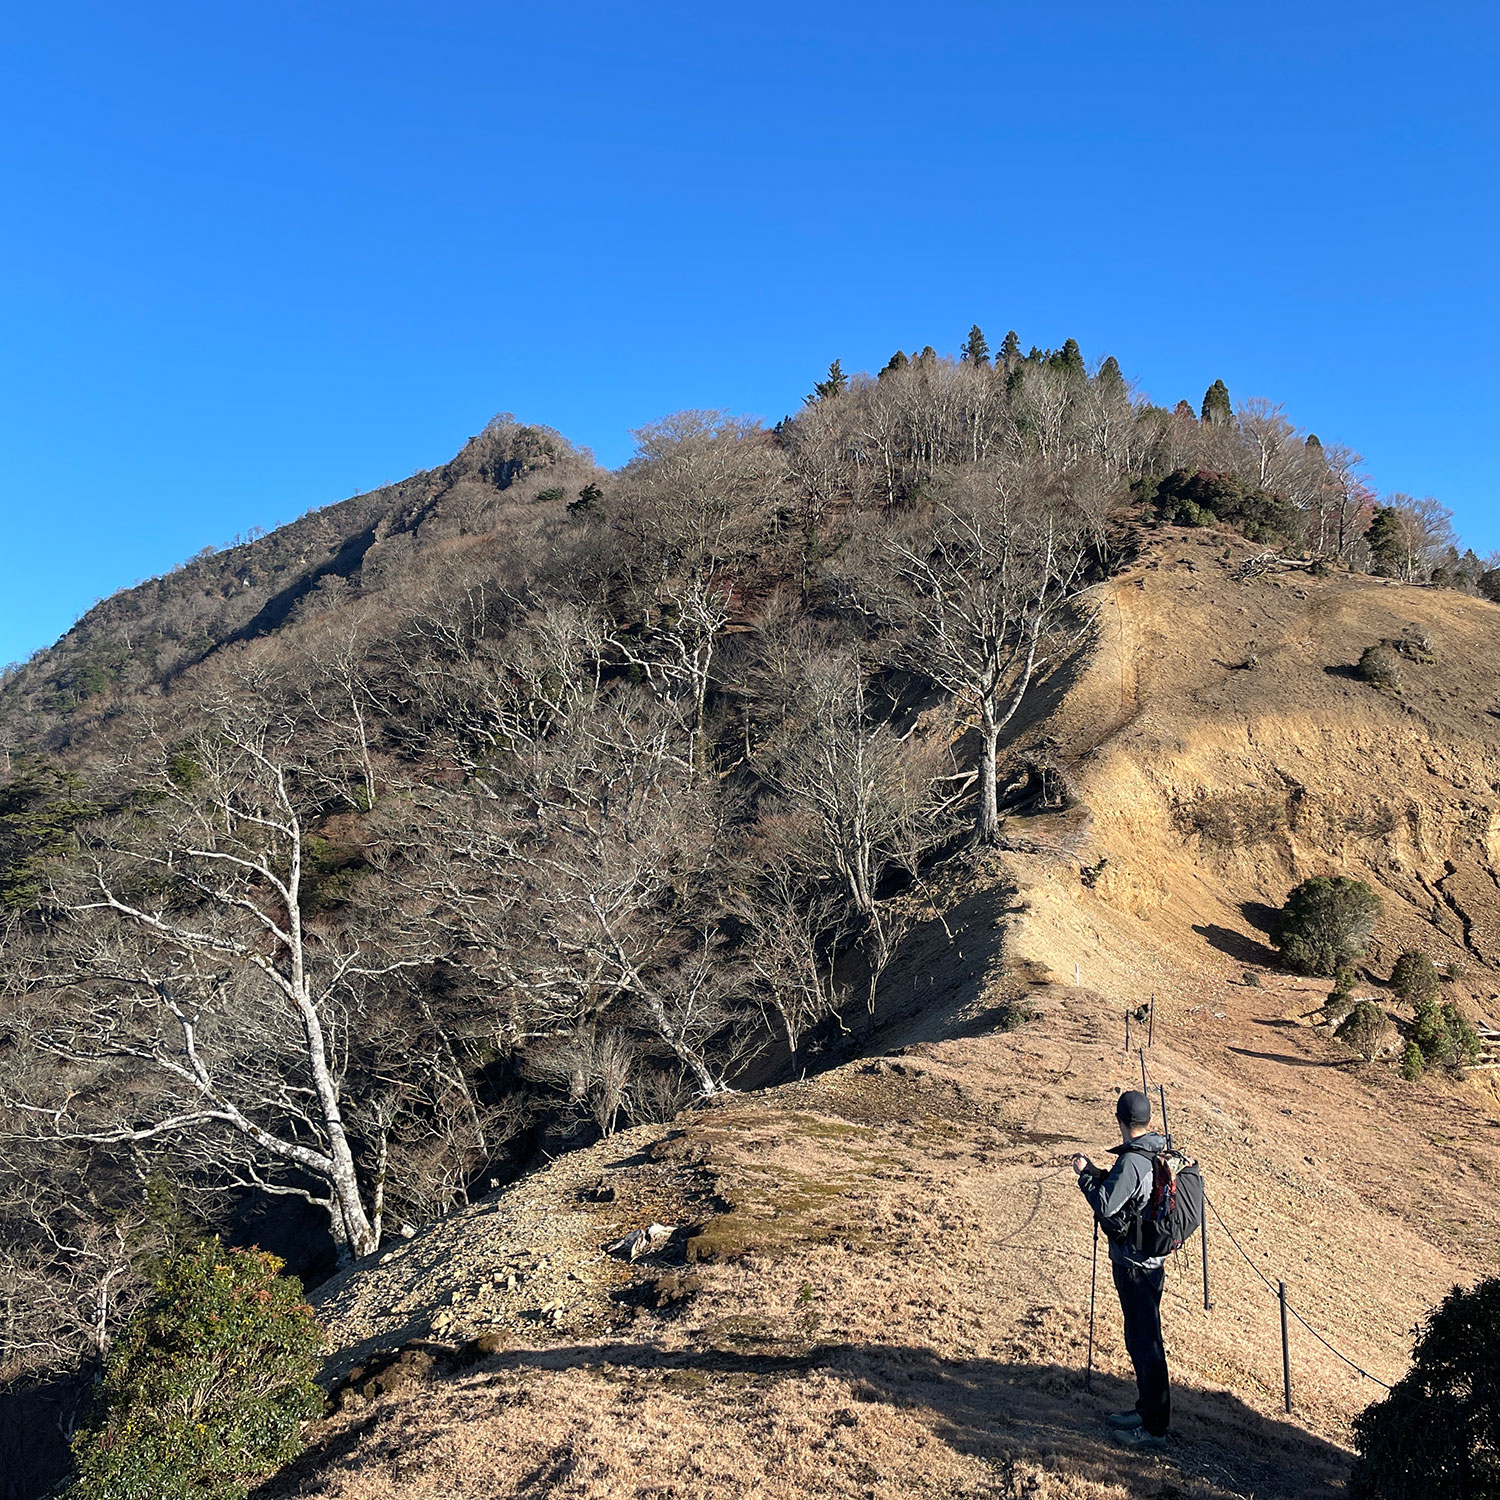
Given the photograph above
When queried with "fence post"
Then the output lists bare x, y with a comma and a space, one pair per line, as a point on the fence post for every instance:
1286, 1355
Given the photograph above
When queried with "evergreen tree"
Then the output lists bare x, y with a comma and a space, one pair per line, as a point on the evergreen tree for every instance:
898, 361
1326, 922
1415, 977
1010, 351
836, 384
1384, 540
975, 350
1070, 358
928, 356
1111, 376
1436, 1436
1313, 444
1216, 407
1184, 409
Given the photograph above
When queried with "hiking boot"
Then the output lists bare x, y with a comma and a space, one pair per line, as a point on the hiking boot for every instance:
1124, 1421
1140, 1440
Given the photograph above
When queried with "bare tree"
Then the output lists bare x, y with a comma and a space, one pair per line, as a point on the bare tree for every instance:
994, 592
181, 970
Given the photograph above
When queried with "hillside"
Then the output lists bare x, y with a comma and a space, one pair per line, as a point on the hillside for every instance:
878, 1281
511, 481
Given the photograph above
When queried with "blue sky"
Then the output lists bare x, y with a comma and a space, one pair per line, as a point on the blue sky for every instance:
261, 256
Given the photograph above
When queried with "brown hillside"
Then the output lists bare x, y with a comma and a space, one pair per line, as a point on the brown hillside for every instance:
879, 1285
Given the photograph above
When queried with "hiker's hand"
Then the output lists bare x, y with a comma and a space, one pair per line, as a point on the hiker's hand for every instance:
1082, 1164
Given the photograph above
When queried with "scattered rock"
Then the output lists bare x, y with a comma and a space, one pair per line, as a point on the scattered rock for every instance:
641, 1242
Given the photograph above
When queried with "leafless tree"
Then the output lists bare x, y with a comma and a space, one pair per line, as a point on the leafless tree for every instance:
187, 985
994, 590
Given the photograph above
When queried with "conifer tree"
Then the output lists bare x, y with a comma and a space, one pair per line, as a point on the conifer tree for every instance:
1010, 351
1111, 376
1070, 357
1384, 539
1216, 407
1183, 409
975, 350
836, 384
898, 361
928, 355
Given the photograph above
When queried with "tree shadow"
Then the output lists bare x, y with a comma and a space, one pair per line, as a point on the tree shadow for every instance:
36, 1418
986, 1408
1241, 949
1262, 918
1294, 1062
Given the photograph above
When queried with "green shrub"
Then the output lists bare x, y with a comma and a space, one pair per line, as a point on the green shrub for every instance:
1327, 921
1444, 1034
1415, 977
1462, 1037
1436, 1436
1413, 1064
1378, 666
209, 1385
1338, 1006
1367, 1029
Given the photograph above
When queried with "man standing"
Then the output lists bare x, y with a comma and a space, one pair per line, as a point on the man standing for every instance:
1117, 1197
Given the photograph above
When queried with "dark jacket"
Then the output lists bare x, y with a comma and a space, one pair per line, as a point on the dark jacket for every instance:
1123, 1190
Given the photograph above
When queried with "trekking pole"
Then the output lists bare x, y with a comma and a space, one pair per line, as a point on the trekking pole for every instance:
1203, 1235
1127, 1031
1088, 1374
1144, 1087
1286, 1354
1166, 1129
1151, 1021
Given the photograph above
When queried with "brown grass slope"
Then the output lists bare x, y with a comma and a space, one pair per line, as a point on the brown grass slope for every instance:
879, 1286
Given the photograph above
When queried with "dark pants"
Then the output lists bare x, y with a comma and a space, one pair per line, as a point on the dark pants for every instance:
1140, 1301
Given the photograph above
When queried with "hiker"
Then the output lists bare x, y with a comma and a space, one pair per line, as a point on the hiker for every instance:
1117, 1196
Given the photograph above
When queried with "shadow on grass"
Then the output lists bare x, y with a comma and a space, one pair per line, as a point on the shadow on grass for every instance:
983, 1407
1296, 1062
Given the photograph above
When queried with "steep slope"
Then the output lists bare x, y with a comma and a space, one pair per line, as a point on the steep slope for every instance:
878, 1280
505, 485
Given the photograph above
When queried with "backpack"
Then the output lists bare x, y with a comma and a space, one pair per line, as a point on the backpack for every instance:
1174, 1211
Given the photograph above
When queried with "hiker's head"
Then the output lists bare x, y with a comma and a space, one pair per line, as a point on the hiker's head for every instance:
1133, 1111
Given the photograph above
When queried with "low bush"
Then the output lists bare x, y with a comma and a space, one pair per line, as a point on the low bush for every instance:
1367, 1029
1379, 667
209, 1385
1327, 921
1337, 1007
1444, 1035
1413, 1064
1415, 977
1436, 1436
1234, 820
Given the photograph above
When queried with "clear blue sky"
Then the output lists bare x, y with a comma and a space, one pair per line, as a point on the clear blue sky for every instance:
258, 257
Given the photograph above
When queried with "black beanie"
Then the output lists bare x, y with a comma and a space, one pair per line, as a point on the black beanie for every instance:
1134, 1108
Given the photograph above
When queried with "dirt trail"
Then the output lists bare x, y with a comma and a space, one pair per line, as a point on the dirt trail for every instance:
879, 1286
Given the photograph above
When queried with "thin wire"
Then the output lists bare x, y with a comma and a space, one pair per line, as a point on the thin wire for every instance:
1359, 1369
1276, 1292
